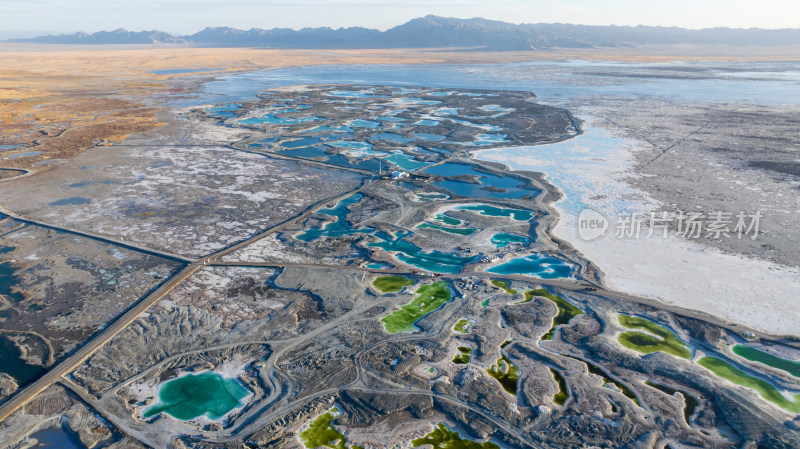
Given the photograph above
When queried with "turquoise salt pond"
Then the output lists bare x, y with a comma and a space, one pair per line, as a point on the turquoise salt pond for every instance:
504, 239
358, 123
273, 120
435, 261
301, 142
539, 265
309, 152
193, 395
446, 219
405, 161
11, 360
337, 228
352, 93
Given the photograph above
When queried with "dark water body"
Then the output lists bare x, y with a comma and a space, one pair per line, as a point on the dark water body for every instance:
504, 239
359, 123
12, 364
6, 173
56, 438
8, 278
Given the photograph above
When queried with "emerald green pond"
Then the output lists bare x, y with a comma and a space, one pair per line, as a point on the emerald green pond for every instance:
208, 394
462, 326
322, 433
662, 339
444, 438
506, 373
429, 299
768, 391
757, 355
563, 394
463, 356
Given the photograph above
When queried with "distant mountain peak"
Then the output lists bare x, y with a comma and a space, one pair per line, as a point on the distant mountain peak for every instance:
437, 31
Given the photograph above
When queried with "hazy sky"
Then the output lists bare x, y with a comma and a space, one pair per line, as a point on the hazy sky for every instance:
188, 16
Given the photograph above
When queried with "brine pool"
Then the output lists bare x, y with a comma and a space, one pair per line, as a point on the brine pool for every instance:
207, 394
539, 265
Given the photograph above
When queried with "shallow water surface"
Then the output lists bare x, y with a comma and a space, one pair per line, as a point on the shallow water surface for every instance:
435, 261
11, 363
504, 239
193, 395
498, 186
539, 265
338, 228
55, 438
